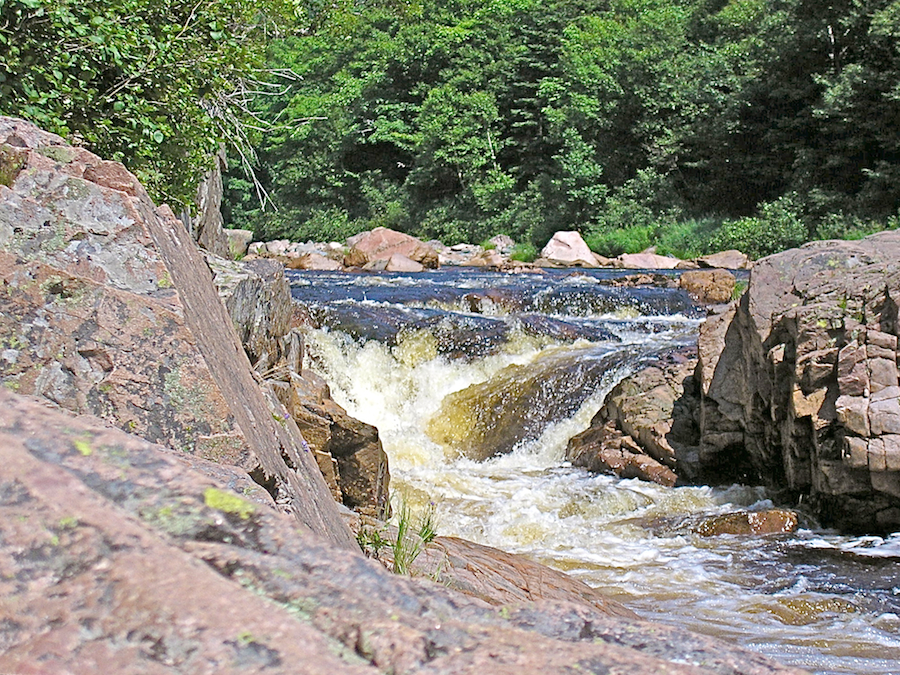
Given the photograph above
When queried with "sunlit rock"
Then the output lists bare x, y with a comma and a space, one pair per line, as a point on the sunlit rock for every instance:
382, 243
238, 242
807, 375
113, 313
313, 261
567, 248
708, 287
729, 260
645, 260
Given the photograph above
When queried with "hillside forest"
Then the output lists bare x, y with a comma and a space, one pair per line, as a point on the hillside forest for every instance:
689, 125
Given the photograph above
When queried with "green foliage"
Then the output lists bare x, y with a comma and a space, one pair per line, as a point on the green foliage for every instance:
525, 252
413, 534
155, 85
684, 124
412, 537
778, 226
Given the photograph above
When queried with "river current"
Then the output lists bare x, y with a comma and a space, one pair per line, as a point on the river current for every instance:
521, 363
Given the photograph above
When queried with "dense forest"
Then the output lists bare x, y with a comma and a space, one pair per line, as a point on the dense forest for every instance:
691, 125
686, 124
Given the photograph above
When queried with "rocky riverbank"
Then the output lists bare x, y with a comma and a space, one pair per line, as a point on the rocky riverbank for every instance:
171, 475
794, 386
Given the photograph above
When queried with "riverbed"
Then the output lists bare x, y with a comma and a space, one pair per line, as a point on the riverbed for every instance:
521, 363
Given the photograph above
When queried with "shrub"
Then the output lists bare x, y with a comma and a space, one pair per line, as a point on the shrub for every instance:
779, 226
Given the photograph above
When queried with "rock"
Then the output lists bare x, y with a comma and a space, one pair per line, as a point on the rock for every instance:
277, 247
112, 311
807, 377
488, 258
771, 521
502, 243
649, 261
400, 263
517, 403
313, 261
258, 299
645, 428
709, 287
501, 578
382, 243
238, 242
605, 449
729, 260
206, 226
123, 556
568, 249
348, 451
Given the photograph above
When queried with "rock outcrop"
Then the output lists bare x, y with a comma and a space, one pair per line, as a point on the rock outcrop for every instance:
123, 556
382, 244
805, 384
646, 427
567, 249
348, 452
107, 307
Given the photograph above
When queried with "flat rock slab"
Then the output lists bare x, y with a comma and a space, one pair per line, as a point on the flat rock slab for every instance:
122, 556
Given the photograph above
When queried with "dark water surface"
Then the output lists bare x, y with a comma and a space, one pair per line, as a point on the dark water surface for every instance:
518, 364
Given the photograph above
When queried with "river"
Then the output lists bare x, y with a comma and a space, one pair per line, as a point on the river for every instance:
521, 363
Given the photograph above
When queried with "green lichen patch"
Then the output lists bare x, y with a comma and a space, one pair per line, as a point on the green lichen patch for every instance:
226, 502
58, 153
84, 448
12, 161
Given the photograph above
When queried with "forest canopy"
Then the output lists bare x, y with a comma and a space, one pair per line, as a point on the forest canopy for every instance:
686, 124
691, 125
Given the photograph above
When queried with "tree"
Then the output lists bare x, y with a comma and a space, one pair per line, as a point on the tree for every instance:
157, 84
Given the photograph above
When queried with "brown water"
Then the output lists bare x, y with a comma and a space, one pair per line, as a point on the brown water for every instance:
394, 347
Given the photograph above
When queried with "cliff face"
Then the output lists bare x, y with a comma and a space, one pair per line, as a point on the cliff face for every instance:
107, 307
801, 379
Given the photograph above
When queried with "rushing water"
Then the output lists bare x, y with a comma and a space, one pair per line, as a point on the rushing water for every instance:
522, 362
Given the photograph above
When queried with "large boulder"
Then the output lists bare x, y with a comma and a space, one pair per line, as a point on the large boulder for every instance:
646, 427
708, 287
383, 243
122, 556
108, 308
805, 386
646, 260
567, 248
730, 260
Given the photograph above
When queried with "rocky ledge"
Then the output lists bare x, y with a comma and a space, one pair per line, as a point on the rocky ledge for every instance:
794, 386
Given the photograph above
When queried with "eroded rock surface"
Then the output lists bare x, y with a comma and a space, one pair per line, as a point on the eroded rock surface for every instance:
107, 307
805, 385
123, 556
646, 427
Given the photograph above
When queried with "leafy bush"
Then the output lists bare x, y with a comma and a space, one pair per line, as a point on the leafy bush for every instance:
611, 242
525, 252
779, 226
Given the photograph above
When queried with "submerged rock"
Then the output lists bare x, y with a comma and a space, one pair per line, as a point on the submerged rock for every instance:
771, 521
518, 403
